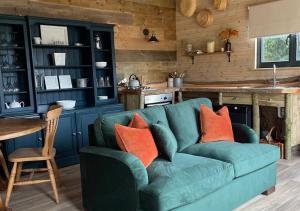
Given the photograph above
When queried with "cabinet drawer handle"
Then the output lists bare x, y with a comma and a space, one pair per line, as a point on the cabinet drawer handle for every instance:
74, 134
79, 132
40, 139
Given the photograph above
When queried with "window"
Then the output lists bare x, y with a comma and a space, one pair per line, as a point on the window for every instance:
282, 50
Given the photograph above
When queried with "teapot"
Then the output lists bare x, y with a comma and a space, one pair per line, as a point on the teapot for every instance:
134, 82
15, 104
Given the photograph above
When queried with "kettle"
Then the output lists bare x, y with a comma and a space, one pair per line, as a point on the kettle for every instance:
134, 82
14, 104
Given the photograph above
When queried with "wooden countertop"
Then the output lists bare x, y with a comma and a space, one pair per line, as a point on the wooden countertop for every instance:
263, 89
154, 91
240, 89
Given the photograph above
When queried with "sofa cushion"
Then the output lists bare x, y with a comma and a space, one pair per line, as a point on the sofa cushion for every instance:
184, 121
183, 181
104, 126
138, 122
245, 158
138, 142
215, 126
164, 139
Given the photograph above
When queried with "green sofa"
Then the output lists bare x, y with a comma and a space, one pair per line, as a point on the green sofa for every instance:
216, 176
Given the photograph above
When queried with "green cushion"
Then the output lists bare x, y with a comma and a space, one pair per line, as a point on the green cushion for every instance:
184, 121
104, 127
183, 181
245, 158
164, 139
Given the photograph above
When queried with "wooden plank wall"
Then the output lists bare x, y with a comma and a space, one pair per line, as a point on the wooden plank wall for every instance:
214, 68
134, 54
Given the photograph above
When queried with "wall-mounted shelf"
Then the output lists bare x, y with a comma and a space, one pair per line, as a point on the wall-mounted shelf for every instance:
193, 54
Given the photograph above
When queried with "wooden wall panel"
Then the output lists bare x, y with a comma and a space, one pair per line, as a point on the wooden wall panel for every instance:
214, 68
134, 53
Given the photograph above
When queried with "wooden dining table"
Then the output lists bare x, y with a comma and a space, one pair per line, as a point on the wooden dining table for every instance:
11, 128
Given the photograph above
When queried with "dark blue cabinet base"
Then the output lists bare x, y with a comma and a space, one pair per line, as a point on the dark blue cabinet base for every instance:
72, 134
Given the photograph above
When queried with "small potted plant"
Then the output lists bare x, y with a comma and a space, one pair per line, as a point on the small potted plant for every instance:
226, 35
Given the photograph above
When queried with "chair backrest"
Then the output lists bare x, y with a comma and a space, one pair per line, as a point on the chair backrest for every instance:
52, 118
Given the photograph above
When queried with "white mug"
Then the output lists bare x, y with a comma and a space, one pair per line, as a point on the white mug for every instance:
37, 40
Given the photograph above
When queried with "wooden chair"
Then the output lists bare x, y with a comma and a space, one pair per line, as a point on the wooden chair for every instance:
46, 153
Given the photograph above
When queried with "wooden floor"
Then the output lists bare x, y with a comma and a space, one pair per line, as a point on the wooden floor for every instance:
40, 198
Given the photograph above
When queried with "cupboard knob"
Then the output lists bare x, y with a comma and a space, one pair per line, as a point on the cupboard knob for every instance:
79, 133
40, 139
74, 134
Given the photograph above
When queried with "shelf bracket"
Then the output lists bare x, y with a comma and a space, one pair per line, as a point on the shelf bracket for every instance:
193, 59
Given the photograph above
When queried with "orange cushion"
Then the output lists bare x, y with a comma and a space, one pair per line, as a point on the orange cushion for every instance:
215, 126
137, 122
137, 141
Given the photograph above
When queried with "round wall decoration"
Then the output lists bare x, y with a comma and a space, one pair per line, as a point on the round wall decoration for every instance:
220, 4
188, 7
205, 18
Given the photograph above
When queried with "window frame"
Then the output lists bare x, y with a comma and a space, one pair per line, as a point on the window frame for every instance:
292, 55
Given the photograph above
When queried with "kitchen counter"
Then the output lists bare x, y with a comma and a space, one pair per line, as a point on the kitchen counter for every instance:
152, 91
242, 89
256, 95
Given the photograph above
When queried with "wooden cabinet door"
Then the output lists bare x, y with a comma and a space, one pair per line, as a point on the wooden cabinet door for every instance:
65, 141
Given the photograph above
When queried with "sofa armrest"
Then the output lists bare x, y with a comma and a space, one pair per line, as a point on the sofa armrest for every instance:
244, 134
110, 179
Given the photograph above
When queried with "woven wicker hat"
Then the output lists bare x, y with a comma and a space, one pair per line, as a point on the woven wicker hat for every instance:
188, 7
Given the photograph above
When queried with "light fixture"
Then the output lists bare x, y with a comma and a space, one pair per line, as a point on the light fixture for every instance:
152, 39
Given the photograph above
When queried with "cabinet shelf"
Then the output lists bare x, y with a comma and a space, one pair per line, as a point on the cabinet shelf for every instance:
62, 67
104, 87
11, 47
102, 50
8, 70
103, 68
15, 93
59, 46
62, 90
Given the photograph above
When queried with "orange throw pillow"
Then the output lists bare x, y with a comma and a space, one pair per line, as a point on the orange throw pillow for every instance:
138, 122
215, 126
137, 141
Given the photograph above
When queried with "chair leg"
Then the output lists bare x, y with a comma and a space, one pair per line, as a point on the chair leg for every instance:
3, 163
56, 172
19, 171
52, 179
10, 184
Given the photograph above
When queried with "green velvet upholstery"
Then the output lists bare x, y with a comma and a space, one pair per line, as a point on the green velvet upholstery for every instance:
184, 121
184, 180
245, 158
216, 176
244, 134
237, 192
109, 176
104, 127
164, 139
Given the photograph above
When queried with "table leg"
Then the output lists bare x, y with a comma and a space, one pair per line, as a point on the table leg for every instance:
288, 126
3, 163
256, 116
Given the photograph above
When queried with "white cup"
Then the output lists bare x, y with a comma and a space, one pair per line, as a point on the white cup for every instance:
37, 40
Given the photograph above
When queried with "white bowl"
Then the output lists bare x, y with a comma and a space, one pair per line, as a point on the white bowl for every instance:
104, 97
67, 104
101, 64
